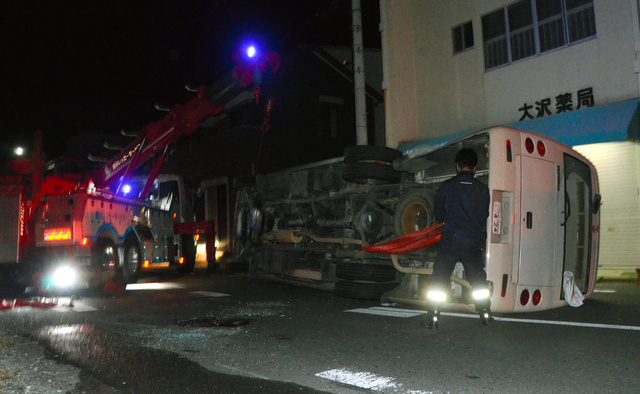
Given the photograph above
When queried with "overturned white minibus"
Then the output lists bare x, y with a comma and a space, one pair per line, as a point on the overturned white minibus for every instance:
308, 224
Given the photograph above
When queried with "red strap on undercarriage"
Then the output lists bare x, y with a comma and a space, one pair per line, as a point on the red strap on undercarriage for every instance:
408, 242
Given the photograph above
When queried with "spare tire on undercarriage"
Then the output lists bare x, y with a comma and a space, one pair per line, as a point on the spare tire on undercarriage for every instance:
353, 154
371, 164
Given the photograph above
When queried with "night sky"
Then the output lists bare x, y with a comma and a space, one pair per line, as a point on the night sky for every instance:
79, 68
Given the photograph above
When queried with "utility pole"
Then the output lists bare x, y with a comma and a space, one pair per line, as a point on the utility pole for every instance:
358, 74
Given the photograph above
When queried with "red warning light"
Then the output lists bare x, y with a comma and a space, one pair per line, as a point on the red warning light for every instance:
537, 297
542, 149
57, 234
524, 297
529, 145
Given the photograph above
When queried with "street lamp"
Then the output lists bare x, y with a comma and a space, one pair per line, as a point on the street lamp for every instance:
18, 151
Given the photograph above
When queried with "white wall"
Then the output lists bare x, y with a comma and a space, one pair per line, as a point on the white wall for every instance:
618, 172
399, 83
431, 92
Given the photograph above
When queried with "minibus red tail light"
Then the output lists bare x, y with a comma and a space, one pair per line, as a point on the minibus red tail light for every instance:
542, 149
529, 145
509, 154
524, 297
537, 296
505, 278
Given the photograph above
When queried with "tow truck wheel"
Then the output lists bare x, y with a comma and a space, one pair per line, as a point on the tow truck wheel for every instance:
189, 254
104, 257
132, 261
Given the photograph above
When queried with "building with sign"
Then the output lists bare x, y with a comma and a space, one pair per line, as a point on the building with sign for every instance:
567, 69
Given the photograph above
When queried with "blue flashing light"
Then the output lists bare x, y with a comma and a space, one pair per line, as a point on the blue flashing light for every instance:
126, 189
251, 51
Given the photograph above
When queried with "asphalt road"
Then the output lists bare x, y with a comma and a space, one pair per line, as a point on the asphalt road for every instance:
232, 334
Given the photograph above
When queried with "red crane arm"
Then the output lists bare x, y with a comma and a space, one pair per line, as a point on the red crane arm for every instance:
183, 120
153, 139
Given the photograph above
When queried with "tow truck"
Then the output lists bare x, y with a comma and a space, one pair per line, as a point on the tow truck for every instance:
69, 230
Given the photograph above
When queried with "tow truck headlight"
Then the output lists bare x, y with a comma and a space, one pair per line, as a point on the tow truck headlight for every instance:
64, 277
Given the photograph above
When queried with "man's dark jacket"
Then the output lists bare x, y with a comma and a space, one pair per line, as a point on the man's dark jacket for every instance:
462, 203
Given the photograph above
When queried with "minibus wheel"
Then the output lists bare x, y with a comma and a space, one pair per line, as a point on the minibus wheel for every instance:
414, 212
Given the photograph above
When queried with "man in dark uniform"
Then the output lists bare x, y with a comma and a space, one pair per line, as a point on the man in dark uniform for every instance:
462, 204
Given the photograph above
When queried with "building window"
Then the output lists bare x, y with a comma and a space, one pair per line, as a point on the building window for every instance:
530, 27
581, 19
462, 37
550, 24
494, 34
523, 43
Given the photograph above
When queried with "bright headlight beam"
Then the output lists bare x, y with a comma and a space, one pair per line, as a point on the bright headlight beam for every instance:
64, 277
481, 294
435, 295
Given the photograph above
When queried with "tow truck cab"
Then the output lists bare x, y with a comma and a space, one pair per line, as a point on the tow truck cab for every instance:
91, 233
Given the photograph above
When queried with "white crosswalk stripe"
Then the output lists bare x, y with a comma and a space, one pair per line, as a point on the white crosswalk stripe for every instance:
404, 313
383, 311
210, 294
364, 380
77, 307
